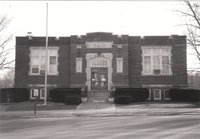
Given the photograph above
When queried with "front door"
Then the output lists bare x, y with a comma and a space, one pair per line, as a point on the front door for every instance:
99, 78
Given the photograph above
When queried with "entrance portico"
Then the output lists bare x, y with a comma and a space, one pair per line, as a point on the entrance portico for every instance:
99, 71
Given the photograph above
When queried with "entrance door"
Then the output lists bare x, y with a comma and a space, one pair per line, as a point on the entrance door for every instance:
99, 78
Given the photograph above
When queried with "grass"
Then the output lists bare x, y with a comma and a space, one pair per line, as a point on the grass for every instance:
29, 105
161, 104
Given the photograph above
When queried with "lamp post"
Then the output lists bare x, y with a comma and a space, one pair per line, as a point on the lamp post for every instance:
46, 58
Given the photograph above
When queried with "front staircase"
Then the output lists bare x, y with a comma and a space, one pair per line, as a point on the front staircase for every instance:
98, 96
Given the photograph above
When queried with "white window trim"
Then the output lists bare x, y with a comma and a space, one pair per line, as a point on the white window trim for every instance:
56, 73
41, 93
30, 64
166, 98
31, 94
160, 55
79, 67
119, 69
154, 91
149, 98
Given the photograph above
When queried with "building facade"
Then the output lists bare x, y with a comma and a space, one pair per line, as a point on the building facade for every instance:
103, 61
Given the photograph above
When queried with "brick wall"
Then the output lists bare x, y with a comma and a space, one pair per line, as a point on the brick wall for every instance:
179, 63
22, 66
120, 79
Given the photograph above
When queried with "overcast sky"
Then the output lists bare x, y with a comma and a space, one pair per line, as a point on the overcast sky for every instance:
80, 17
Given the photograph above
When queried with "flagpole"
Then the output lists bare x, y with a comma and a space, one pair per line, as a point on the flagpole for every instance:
46, 59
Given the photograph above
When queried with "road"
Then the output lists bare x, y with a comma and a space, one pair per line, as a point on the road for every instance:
108, 127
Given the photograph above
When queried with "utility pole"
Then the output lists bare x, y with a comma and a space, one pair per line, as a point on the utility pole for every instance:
46, 59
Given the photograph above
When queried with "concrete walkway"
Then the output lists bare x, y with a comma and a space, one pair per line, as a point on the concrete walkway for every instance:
103, 109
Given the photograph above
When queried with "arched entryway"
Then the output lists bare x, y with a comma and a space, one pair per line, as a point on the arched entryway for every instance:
99, 71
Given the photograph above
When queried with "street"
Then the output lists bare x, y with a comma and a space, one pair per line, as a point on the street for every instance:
107, 127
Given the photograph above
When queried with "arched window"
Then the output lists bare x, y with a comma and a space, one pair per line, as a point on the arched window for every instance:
99, 62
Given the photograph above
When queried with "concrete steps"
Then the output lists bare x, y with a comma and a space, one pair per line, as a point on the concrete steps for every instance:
98, 96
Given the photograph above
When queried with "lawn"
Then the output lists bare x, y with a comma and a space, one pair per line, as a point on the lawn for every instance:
29, 105
161, 104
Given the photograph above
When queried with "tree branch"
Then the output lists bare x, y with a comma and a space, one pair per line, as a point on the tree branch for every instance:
193, 12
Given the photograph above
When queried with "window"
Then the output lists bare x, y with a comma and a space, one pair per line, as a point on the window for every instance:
166, 95
156, 65
79, 65
38, 61
52, 60
52, 64
42, 93
147, 65
149, 98
99, 62
156, 61
33, 93
119, 65
35, 67
165, 65
157, 94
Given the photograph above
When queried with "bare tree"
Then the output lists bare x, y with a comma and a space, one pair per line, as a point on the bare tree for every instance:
192, 14
5, 61
8, 80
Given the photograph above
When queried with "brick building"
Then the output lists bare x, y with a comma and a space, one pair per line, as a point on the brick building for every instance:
102, 61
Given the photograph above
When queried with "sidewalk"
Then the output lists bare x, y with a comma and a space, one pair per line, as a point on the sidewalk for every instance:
105, 109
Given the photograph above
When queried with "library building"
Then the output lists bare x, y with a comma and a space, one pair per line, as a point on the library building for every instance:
101, 62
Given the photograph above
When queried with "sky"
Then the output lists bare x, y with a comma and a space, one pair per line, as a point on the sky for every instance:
65, 18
